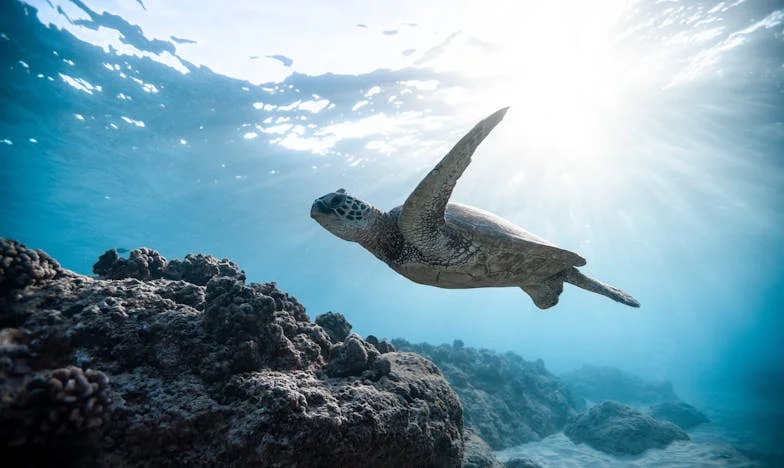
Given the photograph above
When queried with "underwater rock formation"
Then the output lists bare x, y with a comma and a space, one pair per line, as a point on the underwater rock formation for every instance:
508, 400
600, 383
620, 430
200, 371
679, 413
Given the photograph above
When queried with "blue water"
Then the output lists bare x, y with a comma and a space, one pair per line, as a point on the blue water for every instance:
648, 137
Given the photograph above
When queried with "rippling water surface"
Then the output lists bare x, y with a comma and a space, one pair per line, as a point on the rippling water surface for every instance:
647, 136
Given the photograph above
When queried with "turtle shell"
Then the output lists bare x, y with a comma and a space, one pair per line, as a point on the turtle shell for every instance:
506, 247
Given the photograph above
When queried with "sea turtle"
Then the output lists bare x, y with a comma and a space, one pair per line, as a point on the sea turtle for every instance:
431, 241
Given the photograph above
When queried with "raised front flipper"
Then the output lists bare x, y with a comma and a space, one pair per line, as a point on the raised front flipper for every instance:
423, 211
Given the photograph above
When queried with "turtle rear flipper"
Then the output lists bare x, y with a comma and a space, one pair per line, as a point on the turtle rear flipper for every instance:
545, 294
573, 276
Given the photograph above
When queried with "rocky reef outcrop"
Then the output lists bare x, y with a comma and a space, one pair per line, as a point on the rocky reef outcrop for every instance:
182, 363
620, 430
679, 413
506, 399
600, 383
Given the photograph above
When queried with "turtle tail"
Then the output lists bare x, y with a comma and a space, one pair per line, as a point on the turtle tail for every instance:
573, 276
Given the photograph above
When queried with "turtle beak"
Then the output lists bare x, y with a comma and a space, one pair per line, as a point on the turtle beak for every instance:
319, 208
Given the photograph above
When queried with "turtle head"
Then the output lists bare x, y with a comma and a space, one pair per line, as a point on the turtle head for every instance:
345, 216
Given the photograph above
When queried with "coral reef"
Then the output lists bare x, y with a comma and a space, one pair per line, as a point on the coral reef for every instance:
142, 369
679, 413
506, 399
599, 383
620, 430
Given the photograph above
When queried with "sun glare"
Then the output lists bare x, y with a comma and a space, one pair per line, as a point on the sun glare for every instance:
552, 61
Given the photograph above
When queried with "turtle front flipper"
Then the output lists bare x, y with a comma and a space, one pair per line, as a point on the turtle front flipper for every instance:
423, 211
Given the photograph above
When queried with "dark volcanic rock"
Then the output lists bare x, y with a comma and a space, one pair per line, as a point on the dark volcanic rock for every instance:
508, 400
173, 373
620, 430
682, 414
597, 383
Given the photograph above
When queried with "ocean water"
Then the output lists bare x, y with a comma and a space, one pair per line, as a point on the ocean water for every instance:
646, 136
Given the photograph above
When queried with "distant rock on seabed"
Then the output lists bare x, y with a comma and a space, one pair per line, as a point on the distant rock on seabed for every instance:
183, 364
679, 413
620, 430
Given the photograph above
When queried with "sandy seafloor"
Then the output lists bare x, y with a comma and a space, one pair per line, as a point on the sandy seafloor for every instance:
732, 438
703, 450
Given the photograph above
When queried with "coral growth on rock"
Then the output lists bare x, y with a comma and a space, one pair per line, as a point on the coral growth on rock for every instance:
335, 324
147, 264
178, 363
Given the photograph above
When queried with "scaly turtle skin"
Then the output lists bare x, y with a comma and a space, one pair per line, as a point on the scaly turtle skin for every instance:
431, 241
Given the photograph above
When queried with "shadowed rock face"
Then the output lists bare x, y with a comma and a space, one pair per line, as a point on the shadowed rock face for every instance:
620, 430
202, 370
506, 399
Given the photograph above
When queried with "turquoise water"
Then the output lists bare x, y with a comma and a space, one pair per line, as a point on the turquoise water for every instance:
648, 137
